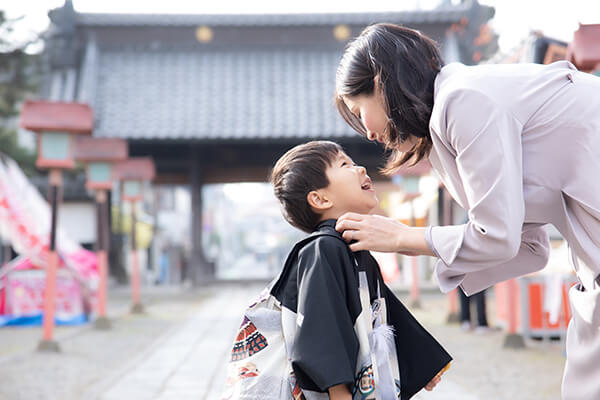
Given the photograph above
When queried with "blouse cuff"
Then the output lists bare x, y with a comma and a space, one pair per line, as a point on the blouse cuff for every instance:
447, 279
430, 241
446, 241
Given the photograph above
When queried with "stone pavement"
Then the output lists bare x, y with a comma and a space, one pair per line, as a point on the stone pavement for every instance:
189, 363
179, 348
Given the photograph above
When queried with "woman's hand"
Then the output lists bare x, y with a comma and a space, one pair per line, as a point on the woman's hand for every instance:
371, 232
378, 233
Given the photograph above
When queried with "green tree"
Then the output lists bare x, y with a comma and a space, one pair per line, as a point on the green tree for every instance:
19, 75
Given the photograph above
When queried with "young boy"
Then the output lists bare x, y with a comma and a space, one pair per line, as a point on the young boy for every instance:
321, 295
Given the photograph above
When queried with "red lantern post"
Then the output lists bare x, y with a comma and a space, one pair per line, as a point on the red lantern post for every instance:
132, 173
447, 215
55, 124
513, 339
415, 301
99, 154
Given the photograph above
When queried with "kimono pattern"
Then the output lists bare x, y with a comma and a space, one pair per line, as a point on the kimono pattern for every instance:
332, 302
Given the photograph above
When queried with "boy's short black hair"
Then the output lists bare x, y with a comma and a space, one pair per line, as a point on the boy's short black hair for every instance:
298, 172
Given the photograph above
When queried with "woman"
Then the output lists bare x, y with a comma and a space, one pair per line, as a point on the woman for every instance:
517, 146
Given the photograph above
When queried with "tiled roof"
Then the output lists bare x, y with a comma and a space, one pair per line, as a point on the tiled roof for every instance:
171, 91
39, 115
448, 14
227, 94
90, 149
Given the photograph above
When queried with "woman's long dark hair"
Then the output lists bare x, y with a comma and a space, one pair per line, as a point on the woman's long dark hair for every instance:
403, 63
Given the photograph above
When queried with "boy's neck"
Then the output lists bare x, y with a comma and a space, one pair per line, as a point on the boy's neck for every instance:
334, 214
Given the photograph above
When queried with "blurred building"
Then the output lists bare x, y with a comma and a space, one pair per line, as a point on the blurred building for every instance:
218, 98
584, 50
535, 48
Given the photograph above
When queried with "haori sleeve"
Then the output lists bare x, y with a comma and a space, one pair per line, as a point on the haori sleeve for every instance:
420, 355
325, 346
486, 139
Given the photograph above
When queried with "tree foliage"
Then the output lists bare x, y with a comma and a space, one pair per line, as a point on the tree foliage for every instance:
19, 76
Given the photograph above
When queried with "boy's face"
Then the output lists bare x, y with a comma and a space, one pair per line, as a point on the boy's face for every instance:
350, 188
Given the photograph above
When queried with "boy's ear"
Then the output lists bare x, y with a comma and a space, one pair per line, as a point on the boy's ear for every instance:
318, 201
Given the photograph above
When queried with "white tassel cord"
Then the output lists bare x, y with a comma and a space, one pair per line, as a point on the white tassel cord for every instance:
383, 343
383, 347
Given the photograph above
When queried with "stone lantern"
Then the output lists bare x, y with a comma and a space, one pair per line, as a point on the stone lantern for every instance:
132, 173
56, 125
99, 155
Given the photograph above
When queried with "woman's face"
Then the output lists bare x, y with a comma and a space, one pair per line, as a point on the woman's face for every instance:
371, 111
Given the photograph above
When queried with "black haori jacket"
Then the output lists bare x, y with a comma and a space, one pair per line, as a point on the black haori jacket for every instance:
319, 287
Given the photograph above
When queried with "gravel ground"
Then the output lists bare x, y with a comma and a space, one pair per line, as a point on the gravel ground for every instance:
483, 368
87, 355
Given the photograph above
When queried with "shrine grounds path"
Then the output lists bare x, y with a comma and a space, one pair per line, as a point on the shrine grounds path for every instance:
178, 350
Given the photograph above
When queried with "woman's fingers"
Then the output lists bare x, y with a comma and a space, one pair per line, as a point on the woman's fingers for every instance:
347, 225
355, 237
348, 221
371, 232
348, 235
358, 246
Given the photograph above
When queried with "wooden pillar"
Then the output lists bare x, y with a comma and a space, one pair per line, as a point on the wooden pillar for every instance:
116, 247
199, 270
108, 220
137, 307
102, 322
415, 302
513, 339
48, 344
448, 219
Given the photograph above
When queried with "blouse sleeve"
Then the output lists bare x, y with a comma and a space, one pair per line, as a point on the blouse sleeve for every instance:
492, 245
325, 346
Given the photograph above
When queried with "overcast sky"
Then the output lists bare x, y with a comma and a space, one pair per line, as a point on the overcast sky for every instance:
513, 21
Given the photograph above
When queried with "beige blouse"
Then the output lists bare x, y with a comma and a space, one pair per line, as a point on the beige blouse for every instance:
517, 146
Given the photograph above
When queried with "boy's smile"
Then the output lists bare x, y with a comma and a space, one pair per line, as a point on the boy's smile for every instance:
367, 185
350, 188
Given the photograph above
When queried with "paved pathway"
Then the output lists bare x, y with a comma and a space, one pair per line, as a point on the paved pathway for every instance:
190, 362
446, 390
179, 350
